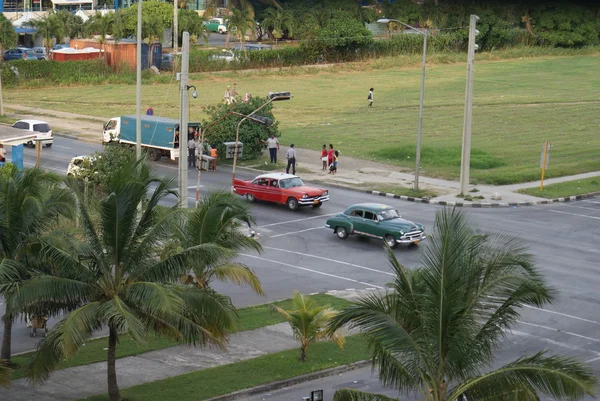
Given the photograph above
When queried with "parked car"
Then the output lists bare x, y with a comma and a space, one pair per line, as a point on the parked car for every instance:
41, 128
226, 55
77, 164
216, 25
20, 53
41, 53
374, 220
281, 188
167, 60
252, 47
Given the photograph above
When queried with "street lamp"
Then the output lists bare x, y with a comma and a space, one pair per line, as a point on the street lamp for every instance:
420, 127
273, 96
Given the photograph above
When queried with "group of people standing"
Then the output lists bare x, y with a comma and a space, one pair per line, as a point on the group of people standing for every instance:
329, 157
231, 95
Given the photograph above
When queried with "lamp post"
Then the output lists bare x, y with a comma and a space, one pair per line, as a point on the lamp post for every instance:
184, 117
272, 97
420, 126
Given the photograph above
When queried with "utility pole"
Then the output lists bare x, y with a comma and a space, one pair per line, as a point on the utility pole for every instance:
183, 125
465, 164
175, 27
420, 126
138, 87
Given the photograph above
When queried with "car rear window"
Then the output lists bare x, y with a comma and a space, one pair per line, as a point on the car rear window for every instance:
41, 127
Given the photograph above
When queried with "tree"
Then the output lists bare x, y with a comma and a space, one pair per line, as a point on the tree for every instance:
190, 21
217, 220
309, 322
436, 331
115, 278
8, 39
278, 21
30, 203
5, 374
100, 26
73, 24
50, 28
240, 22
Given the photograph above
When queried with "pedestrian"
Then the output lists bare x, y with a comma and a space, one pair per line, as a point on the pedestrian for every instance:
2, 155
370, 98
191, 151
334, 165
247, 98
273, 146
330, 155
234, 93
291, 158
324, 157
227, 95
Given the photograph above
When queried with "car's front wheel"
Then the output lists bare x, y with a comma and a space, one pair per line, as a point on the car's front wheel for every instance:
48, 145
251, 198
390, 241
30, 144
341, 232
292, 204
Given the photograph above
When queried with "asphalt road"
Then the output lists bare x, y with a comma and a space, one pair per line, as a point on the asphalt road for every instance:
301, 254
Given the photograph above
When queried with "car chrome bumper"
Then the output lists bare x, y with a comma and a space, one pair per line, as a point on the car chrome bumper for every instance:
327, 225
412, 239
313, 201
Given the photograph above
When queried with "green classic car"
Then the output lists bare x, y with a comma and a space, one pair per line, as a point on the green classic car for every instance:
374, 220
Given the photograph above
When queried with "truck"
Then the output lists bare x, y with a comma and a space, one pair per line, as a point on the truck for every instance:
160, 135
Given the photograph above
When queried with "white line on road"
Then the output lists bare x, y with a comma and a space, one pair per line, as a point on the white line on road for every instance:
297, 232
562, 314
593, 360
62, 147
297, 220
329, 260
571, 214
46, 167
559, 343
582, 207
589, 201
313, 271
560, 331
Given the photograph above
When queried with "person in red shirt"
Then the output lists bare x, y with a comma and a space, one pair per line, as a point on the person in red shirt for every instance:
330, 155
324, 157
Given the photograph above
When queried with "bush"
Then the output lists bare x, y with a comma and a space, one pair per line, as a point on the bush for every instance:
55, 72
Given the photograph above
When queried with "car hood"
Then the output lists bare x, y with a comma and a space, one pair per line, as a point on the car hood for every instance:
310, 191
399, 224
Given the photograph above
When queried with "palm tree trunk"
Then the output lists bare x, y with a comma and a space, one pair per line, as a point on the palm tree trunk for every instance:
6, 337
113, 387
303, 353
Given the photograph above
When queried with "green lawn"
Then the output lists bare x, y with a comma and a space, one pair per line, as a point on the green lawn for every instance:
563, 189
518, 104
208, 383
250, 318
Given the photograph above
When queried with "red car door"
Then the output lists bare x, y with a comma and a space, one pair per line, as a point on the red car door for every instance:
275, 193
260, 188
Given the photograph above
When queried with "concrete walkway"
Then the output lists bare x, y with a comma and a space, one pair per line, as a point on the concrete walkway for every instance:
355, 173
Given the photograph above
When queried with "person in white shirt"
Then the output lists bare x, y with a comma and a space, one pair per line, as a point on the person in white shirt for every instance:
291, 158
370, 98
191, 152
273, 146
2, 155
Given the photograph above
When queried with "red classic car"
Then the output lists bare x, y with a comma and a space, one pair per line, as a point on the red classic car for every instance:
281, 188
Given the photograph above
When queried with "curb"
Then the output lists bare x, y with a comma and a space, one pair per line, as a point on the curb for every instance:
290, 382
69, 136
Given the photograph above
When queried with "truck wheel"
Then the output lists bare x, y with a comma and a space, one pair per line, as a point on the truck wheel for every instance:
390, 241
251, 198
341, 232
292, 204
153, 154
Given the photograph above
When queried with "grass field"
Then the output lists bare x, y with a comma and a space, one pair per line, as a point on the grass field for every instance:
518, 104
208, 383
250, 318
569, 188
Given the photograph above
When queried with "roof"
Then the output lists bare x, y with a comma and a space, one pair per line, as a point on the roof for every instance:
155, 119
374, 207
33, 121
277, 176
14, 136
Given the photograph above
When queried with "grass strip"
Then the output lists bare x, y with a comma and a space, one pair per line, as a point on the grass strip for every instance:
563, 189
212, 382
250, 318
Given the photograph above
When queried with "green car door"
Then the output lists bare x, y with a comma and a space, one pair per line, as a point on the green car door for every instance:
372, 227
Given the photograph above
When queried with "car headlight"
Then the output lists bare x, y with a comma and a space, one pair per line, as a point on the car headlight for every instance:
325, 193
304, 196
401, 233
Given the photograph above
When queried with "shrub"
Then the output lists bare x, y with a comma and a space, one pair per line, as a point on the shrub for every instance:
55, 72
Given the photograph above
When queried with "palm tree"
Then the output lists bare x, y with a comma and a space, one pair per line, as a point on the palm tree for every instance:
8, 38
51, 29
309, 322
115, 279
217, 220
240, 22
30, 203
100, 26
436, 331
5, 374
278, 21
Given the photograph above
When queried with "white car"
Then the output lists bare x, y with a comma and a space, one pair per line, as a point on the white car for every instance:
226, 55
41, 128
77, 164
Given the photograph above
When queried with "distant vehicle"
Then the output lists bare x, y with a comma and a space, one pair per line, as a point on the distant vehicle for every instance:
281, 188
41, 128
167, 60
77, 164
374, 220
158, 134
216, 25
60, 46
252, 47
41, 53
226, 55
20, 53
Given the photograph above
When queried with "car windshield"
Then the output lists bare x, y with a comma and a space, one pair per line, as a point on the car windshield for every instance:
291, 183
41, 127
388, 214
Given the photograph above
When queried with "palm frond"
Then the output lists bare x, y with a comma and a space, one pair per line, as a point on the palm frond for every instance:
239, 274
347, 394
122, 318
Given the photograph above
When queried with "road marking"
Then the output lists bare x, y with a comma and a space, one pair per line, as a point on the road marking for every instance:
297, 220
46, 167
194, 187
62, 147
589, 201
582, 207
559, 343
593, 360
313, 271
562, 314
297, 232
560, 331
571, 214
330, 260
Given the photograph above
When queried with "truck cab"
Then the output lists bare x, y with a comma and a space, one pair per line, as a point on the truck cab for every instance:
112, 130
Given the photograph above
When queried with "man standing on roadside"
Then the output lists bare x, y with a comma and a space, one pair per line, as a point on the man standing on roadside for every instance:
291, 158
191, 151
273, 146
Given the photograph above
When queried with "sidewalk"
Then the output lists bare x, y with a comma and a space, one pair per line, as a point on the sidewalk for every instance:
355, 173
